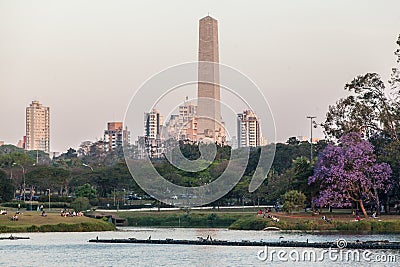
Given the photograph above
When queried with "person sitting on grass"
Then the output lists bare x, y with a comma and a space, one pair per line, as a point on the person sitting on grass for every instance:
274, 218
44, 214
15, 217
326, 219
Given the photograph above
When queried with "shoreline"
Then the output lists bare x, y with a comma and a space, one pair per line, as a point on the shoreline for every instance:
299, 222
289, 223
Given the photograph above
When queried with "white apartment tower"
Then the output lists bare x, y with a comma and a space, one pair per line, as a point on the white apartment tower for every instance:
248, 127
38, 127
153, 124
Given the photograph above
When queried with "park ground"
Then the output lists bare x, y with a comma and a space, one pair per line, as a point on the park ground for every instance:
33, 221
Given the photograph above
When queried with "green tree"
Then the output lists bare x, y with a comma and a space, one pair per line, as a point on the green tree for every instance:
41, 157
285, 154
7, 149
302, 170
277, 185
6, 188
389, 151
7, 160
293, 141
86, 190
81, 204
293, 200
43, 177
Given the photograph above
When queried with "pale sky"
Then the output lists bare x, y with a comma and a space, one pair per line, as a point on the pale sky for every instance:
85, 59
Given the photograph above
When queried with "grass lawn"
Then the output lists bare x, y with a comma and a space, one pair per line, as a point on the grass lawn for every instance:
32, 221
35, 218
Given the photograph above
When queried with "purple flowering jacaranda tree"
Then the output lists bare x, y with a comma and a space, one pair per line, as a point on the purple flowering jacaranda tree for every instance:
348, 173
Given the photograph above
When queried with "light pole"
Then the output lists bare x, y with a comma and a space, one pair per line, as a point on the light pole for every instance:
124, 196
48, 189
311, 138
12, 181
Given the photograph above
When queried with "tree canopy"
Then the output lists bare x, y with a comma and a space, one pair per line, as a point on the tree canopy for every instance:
348, 173
6, 187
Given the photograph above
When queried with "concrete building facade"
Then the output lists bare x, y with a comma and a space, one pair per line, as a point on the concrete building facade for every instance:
152, 141
183, 126
38, 127
248, 127
115, 136
153, 122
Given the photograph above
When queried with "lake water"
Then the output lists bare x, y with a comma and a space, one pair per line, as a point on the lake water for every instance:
72, 249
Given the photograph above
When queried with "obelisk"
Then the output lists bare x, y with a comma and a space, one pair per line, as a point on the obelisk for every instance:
209, 121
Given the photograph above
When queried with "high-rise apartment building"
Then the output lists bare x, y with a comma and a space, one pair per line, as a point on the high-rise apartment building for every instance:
248, 127
115, 136
152, 142
209, 120
183, 126
38, 127
153, 122
188, 121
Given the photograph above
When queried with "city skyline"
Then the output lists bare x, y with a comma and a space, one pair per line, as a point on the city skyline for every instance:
86, 63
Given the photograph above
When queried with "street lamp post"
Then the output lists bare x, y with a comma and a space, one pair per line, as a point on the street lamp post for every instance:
124, 196
311, 138
31, 190
12, 181
48, 189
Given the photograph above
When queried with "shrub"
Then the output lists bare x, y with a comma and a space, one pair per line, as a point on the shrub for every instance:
81, 203
293, 200
248, 224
